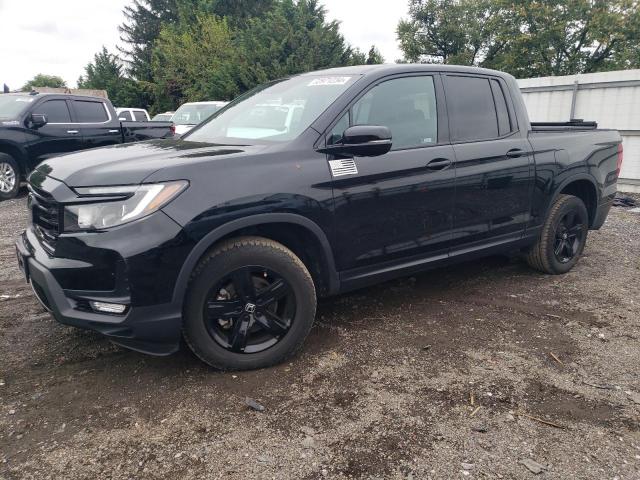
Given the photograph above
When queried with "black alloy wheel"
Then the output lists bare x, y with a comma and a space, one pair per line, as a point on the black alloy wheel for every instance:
568, 240
251, 303
249, 310
563, 236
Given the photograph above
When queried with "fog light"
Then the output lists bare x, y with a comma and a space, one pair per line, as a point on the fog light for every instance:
104, 307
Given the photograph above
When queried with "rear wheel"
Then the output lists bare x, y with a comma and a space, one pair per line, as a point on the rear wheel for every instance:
563, 237
251, 304
9, 177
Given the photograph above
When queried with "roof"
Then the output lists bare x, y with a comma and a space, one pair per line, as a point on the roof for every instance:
393, 68
37, 94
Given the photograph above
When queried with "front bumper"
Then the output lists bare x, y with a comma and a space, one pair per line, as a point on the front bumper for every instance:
145, 327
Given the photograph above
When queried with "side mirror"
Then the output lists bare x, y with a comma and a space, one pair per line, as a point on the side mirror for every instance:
38, 120
362, 141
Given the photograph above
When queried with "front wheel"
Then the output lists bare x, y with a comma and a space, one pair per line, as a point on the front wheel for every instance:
9, 177
251, 304
563, 237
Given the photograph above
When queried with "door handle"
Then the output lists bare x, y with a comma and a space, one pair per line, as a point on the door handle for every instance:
515, 153
73, 132
438, 164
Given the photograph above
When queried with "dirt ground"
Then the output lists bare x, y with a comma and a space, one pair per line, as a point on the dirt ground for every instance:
470, 371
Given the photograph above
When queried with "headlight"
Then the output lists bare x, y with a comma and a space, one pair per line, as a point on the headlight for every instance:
112, 206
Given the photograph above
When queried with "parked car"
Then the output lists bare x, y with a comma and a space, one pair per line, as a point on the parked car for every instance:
227, 240
193, 113
163, 117
35, 127
133, 115
266, 121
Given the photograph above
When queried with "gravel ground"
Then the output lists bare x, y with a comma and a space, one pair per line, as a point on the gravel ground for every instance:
473, 371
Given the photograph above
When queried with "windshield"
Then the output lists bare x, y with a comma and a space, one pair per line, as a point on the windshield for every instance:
194, 114
275, 112
11, 106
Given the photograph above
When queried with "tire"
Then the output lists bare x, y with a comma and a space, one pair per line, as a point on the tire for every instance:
239, 280
9, 177
563, 237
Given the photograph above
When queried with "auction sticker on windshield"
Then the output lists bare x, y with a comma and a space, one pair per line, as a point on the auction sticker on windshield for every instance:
321, 81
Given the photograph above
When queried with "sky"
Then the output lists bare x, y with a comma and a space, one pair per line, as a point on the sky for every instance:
59, 37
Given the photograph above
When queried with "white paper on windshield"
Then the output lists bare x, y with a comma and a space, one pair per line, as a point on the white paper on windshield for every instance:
23, 99
322, 81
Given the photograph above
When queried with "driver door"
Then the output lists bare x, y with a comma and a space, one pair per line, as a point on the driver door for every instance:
396, 207
59, 136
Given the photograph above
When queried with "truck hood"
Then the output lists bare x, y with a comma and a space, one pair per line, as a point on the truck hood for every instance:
132, 163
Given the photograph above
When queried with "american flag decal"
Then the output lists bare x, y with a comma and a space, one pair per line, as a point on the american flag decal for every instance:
342, 167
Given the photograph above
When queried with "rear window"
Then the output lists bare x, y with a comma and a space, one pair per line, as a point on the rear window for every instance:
471, 109
90, 112
125, 115
139, 116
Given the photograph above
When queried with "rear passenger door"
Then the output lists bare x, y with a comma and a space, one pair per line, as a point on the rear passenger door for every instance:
94, 121
493, 162
395, 206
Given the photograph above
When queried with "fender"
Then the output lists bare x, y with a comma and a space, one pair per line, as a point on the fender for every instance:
212, 237
567, 181
11, 148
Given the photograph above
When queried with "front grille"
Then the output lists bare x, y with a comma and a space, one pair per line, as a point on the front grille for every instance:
45, 213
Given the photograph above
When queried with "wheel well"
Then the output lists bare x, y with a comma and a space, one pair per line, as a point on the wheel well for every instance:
301, 241
585, 191
16, 154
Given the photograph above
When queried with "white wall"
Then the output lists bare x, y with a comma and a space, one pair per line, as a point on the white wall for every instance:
613, 104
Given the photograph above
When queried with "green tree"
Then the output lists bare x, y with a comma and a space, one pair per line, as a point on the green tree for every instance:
106, 72
143, 22
207, 58
293, 37
194, 63
145, 19
524, 37
374, 56
42, 80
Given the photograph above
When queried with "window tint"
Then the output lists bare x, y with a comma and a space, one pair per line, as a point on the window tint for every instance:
338, 129
90, 112
140, 116
55, 110
407, 106
125, 115
504, 124
471, 108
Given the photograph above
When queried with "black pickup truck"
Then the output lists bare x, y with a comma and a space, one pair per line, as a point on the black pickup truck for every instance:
35, 127
308, 186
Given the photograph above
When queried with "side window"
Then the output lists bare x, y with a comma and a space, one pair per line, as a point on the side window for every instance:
504, 123
338, 130
407, 106
90, 112
56, 111
139, 116
126, 115
471, 109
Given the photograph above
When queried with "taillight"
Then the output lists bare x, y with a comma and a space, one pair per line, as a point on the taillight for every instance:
173, 129
620, 157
